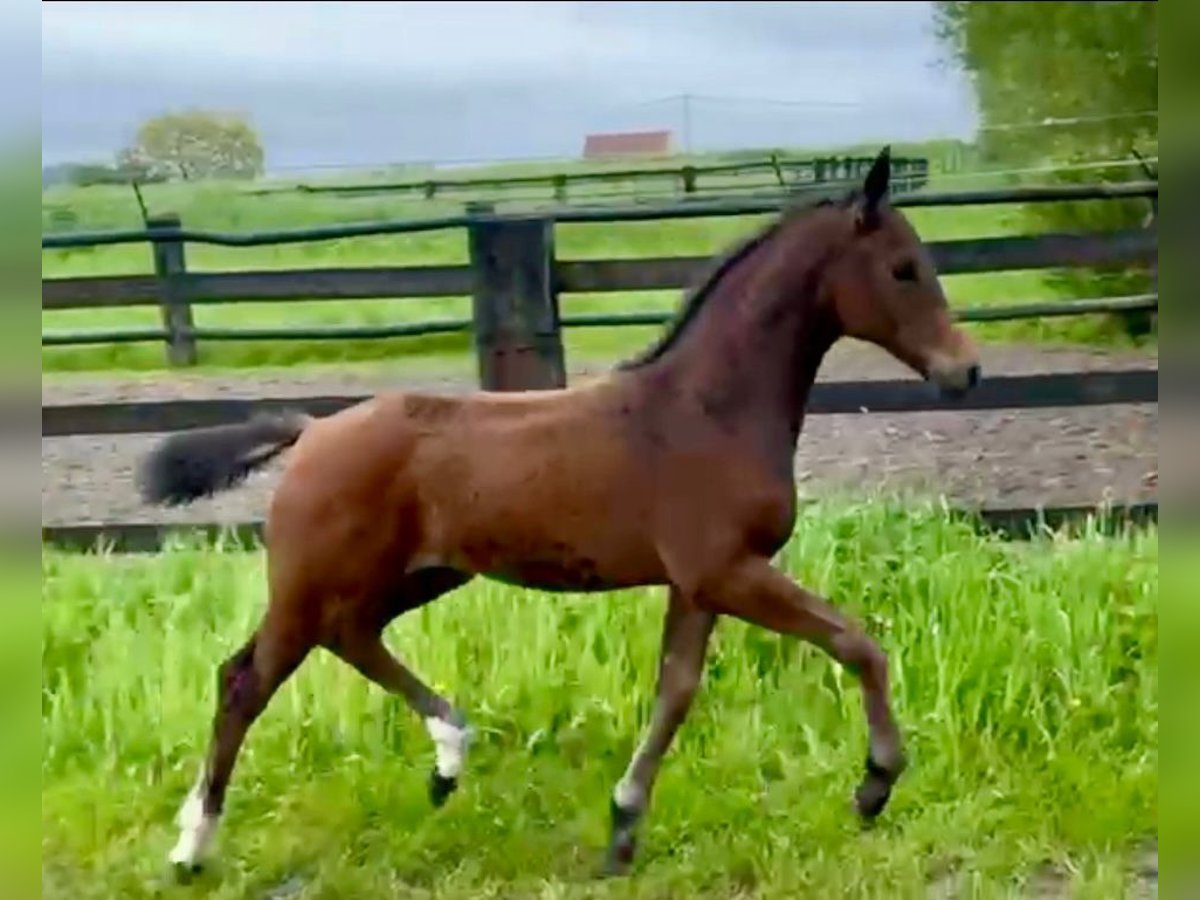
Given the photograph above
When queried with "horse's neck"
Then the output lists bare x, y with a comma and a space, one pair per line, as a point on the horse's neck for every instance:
751, 356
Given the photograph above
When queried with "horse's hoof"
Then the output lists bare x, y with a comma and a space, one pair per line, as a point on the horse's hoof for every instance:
185, 872
622, 844
874, 791
440, 788
619, 859
871, 797
613, 869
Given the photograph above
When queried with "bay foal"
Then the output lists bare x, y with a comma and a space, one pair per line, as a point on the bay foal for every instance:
674, 469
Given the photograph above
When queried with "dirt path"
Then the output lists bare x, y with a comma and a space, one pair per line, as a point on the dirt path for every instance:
1001, 458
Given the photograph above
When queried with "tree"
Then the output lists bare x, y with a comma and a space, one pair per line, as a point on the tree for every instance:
134, 166
1034, 65
193, 145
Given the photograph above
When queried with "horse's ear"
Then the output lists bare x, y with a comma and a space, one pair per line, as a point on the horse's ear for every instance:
875, 188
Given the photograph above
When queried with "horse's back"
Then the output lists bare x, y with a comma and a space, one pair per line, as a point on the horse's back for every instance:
469, 453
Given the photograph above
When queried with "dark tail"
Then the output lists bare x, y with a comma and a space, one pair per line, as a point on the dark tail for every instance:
198, 463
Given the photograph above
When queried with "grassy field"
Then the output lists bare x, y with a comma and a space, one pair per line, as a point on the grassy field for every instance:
1025, 679
230, 207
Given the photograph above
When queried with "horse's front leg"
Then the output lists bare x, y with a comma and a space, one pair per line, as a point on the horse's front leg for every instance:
685, 638
756, 592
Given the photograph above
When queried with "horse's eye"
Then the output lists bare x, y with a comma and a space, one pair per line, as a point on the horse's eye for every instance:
906, 271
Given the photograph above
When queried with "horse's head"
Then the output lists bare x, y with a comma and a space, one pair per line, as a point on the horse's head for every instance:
884, 289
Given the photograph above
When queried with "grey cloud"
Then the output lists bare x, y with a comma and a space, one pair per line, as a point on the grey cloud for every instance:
393, 100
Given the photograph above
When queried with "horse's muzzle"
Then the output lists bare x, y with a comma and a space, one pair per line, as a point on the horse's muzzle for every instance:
956, 383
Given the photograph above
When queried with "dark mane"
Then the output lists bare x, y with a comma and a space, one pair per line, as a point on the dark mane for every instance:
698, 295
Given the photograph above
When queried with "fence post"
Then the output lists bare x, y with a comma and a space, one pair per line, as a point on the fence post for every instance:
171, 268
1148, 322
773, 159
518, 337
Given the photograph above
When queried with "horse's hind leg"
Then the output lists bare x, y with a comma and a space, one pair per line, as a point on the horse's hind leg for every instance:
245, 684
360, 643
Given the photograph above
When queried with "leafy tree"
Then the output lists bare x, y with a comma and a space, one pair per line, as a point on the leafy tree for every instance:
1035, 63
132, 165
193, 145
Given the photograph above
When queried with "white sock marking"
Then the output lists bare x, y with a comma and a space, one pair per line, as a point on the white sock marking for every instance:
195, 829
628, 794
450, 744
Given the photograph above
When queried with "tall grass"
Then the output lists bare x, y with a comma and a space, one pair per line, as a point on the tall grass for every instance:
1024, 677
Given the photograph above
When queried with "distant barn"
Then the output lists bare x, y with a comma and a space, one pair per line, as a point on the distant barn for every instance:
629, 144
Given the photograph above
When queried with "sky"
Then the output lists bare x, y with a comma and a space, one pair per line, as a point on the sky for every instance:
359, 84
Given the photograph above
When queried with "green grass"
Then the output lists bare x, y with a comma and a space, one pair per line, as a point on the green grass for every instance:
1024, 677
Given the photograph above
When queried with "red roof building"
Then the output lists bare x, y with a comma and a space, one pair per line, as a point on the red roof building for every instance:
628, 144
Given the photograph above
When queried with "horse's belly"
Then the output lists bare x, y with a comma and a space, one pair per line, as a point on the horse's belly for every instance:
562, 521
562, 562
553, 575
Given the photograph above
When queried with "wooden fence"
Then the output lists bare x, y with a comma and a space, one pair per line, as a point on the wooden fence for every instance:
908, 173
515, 279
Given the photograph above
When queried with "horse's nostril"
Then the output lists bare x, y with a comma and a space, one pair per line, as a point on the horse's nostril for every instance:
973, 375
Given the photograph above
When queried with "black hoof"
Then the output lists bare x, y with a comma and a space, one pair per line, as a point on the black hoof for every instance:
440, 788
874, 791
871, 797
185, 872
622, 846
619, 858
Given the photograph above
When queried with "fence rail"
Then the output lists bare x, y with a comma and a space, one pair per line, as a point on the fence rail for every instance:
150, 537
899, 395
1137, 303
908, 172
585, 215
997, 254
